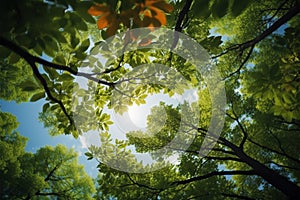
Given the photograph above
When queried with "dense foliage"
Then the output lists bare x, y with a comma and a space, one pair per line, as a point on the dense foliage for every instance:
41, 175
254, 44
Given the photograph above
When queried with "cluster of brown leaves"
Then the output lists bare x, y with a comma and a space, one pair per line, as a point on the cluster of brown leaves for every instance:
148, 13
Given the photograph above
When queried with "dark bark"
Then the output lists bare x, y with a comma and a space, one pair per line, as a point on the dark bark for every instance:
280, 182
180, 21
31, 60
290, 189
34, 59
251, 43
215, 173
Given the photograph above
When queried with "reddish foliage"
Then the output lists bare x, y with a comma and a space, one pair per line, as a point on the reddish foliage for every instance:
150, 13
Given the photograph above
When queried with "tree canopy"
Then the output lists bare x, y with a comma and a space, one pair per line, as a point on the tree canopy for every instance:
50, 173
49, 48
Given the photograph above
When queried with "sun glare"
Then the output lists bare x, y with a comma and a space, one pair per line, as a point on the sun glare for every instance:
138, 115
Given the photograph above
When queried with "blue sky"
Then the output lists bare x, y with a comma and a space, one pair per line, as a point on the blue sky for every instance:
32, 128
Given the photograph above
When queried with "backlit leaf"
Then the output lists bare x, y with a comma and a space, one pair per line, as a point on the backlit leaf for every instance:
37, 96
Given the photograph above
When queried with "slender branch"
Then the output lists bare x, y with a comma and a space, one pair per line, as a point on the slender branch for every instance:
31, 60
142, 185
48, 92
276, 11
251, 43
182, 15
47, 178
222, 150
285, 18
119, 64
236, 118
283, 166
224, 158
208, 157
243, 63
52, 172
181, 20
116, 68
236, 196
274, 151
215, 173
280, 182
48, 194
34, 59
278, 142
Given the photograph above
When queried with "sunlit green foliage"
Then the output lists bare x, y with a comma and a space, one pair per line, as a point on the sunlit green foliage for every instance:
50, 173
255, 46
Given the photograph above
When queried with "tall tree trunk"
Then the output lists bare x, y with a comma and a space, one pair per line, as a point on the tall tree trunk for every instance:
280, 182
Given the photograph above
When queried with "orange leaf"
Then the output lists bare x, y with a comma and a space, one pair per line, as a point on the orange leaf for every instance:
147, 21
113, 27
162, 5
146, 13
145, 42
98, 9
103, 21
125, 17
159, 15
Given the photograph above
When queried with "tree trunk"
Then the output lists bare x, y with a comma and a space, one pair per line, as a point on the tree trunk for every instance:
280, 182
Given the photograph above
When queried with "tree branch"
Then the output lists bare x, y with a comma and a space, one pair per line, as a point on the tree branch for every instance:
48, 92
215, 173
182, 15
142, 185
276, 11
236, 196
34, 59
179, 24
236, 118
280, 182
274, 151
251, 43
31, 60
283, 166
285, 18
224, 158
243, 62
52, 172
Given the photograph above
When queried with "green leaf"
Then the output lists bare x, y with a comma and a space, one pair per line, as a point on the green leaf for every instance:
288, 116
4, 52
81, 9
85, 45
62, 22
60, 59
54, 107
59, 37
201, 8
80, 55
104, 35
51, 44
37, 96
238, 6
52, 72
78, 22
74, 42
219, 8
66, 77
88, 154
45, 107
29, 85
14, 58
26, 41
